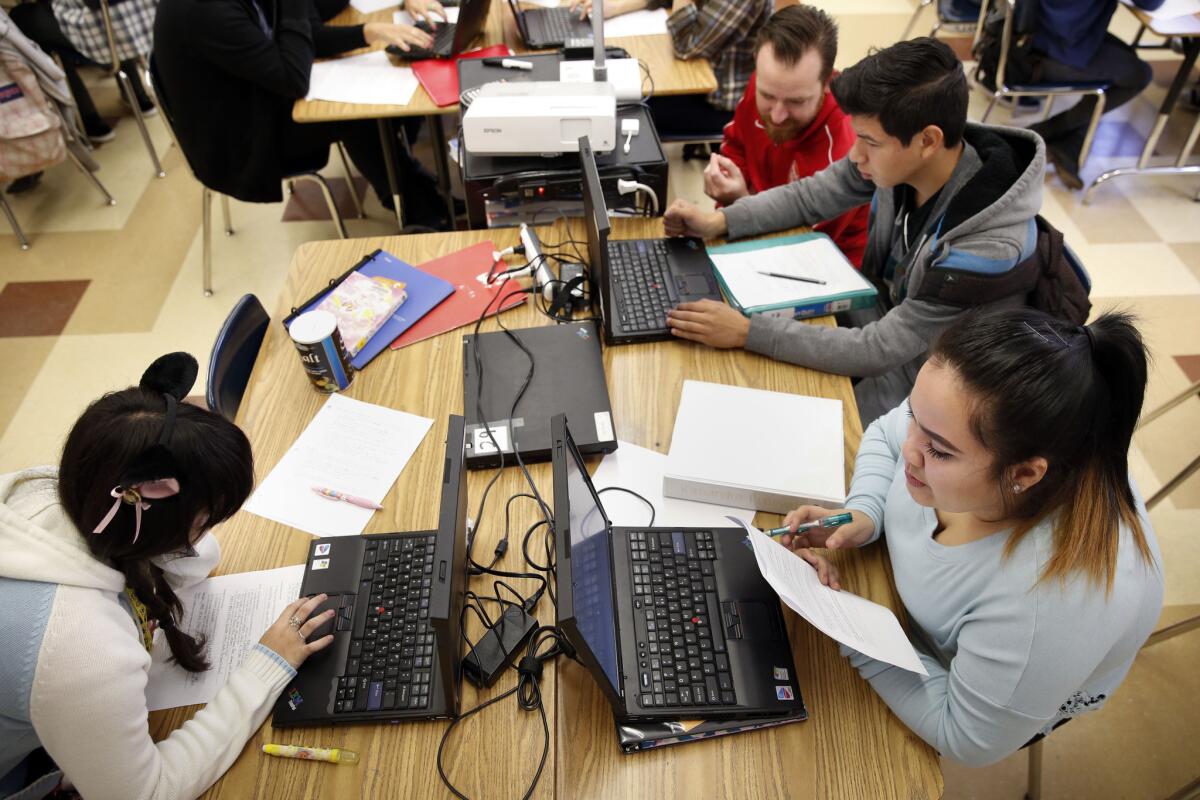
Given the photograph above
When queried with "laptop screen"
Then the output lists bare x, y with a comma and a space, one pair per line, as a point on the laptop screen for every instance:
595, 219
591, 568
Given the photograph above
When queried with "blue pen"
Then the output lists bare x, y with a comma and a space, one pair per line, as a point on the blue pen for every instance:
828, 522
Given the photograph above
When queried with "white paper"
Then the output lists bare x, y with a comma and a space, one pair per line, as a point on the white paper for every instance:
856, 622
405, 18
639, 469
637, 23
371, 6
1171, 9
369, 78
817, 258
351, 446
232, 612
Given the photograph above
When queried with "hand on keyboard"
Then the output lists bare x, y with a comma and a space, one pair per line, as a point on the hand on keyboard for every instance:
402, 37
709, 322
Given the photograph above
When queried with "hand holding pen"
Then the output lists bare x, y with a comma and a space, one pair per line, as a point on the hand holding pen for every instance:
813, 526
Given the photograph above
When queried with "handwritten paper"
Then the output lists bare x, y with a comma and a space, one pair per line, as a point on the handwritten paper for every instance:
637, 23
854, 621
641, 470
232, 612
816, 258
351, 446
369, 78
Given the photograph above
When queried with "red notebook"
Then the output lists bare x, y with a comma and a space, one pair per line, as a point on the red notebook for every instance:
439, 76
466, 270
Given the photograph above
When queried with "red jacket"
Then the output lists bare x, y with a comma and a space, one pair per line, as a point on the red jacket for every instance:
765, 164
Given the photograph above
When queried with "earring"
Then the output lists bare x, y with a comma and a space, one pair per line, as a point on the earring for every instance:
1017, 488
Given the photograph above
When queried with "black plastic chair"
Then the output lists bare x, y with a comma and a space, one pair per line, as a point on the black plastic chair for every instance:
233, 355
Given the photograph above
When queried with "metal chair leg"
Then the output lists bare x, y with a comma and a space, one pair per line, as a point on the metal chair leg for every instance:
206, 241
341, 149
329, 201
12, 220
1091, 131
1049, 106
91, 176
913, 20
127, 87
991, 104
225, 214
1033, 790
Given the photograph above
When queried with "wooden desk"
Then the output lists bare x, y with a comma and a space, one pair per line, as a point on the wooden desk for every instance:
851, 747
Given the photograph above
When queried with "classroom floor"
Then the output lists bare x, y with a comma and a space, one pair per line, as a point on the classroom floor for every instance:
106, 289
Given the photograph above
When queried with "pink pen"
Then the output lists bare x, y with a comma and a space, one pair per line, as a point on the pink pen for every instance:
334, 494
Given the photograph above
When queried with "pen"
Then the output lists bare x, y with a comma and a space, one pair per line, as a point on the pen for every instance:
334, 494
508, 63
792, 277
828, 522
335, 756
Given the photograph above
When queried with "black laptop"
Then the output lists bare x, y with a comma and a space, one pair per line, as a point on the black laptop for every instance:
449, 38
399, 596
671, 622
637, 281
551, 27
568, 377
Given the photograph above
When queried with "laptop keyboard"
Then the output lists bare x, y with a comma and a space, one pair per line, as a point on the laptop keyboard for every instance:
443, 44
682, 660
391, 650
560, 24
642, 285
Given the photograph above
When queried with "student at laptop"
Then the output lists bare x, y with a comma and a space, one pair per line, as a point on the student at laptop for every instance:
945, 194
230, 72
1022, 552
96, 551
787, 125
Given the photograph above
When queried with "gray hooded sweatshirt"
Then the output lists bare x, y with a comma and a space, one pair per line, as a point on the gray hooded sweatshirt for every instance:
982, 224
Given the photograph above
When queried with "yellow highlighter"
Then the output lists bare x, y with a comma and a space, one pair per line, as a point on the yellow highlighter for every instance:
335, 755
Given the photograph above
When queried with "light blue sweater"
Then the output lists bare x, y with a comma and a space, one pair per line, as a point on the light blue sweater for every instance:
1008, 656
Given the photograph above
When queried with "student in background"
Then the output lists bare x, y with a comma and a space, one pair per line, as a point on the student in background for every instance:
231, 71
946, 195
1023, 555
1072, 44
96, 552
788, 126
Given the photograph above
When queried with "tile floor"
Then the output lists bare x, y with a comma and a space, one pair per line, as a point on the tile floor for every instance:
105, 289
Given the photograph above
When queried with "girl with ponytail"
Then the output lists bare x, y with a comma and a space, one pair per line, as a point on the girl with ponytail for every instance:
95, 553
1019, 545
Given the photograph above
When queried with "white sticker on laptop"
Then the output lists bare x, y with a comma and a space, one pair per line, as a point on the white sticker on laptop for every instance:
321, 549
483, 442
781, 673
784, 693
320, 563
604, 428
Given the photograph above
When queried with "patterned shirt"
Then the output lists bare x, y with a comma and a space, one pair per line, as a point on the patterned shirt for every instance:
133, 28
723, 31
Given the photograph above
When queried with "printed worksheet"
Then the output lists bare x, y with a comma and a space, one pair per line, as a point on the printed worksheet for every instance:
232, 612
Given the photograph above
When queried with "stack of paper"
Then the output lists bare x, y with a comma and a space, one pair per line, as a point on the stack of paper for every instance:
369, 78
751, 448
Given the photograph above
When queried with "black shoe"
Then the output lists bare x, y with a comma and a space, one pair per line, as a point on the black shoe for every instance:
1067, 168
98, 130
25, 183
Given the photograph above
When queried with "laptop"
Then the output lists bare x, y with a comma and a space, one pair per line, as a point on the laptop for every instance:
568, 377
550, 27
399, 596
638, 281
449, 38
672, 622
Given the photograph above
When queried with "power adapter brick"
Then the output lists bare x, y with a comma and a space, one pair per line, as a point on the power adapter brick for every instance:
499, 647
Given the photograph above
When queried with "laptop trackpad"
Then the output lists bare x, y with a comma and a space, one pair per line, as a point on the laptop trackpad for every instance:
758, 623
693, 284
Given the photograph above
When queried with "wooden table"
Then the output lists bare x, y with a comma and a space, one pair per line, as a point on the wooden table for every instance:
850, 747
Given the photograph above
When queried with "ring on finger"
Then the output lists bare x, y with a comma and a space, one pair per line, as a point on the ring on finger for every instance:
295, 623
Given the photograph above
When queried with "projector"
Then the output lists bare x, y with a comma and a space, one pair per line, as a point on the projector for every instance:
540, 117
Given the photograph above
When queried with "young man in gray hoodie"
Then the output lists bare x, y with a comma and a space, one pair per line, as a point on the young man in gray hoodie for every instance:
952, 207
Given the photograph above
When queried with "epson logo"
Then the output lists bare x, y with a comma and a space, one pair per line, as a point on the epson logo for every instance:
492, 130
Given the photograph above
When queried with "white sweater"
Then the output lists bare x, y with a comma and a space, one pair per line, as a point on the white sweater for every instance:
83, 669
1009, 655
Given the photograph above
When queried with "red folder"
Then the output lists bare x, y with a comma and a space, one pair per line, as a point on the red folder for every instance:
466, 270
439, 76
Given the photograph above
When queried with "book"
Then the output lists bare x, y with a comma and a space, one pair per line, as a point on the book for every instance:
467, 271
361, 306
634, 737
751, 448
740, 267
